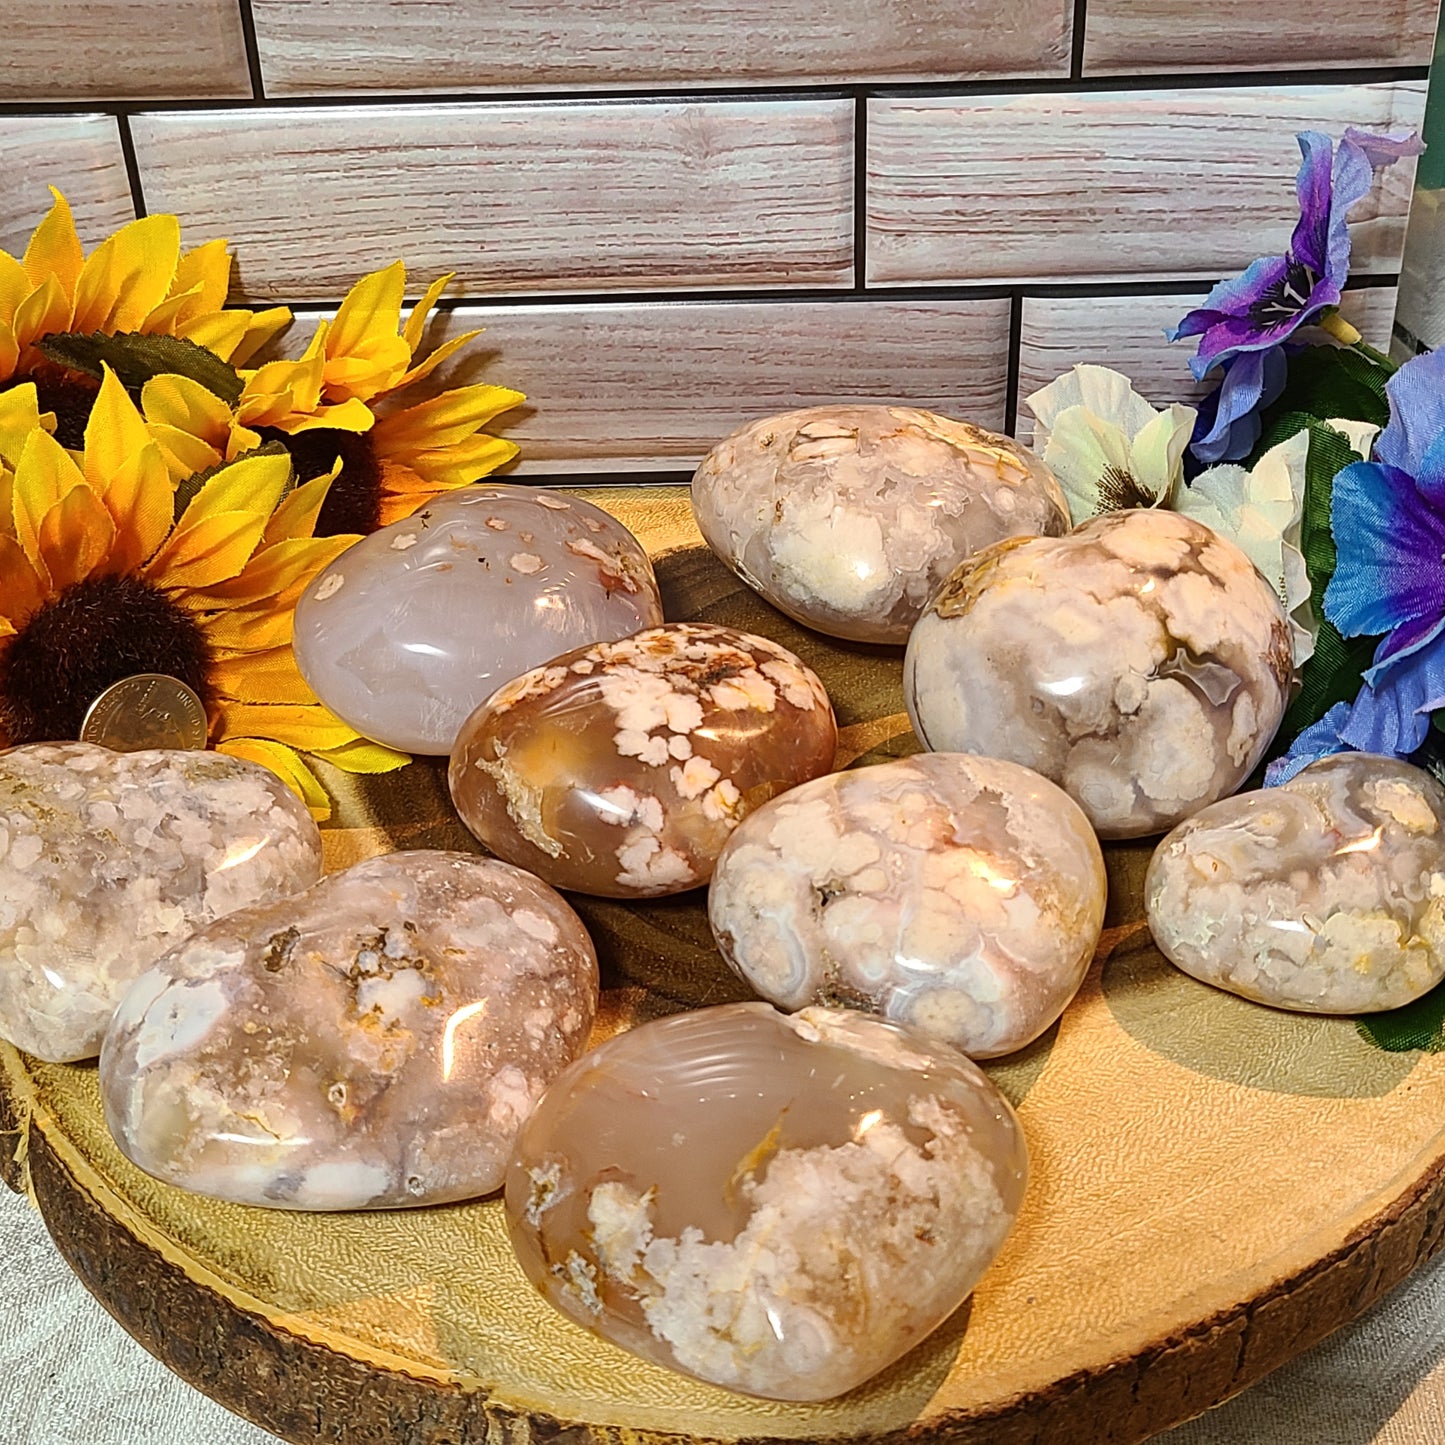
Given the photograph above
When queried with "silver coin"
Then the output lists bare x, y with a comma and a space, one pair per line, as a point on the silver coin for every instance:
149, 710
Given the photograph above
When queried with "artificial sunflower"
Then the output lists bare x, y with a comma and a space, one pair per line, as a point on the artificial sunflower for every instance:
339, 402
110, 566
138, 283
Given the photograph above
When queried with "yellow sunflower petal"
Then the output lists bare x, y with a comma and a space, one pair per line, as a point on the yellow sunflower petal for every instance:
261, 326
74, 538
14, 285
128, 275
365, 757
249, 629
178, 401
286, 763
115, 432
55, 252
353, 415
43, 311
163, 319
268, 677
43, 475
184, 454
444, 352
140, 497
19, 416
443, 420
371, 309
276, 575
252, 485
9, 350
207, 551
416, 322
22, 589
219, 331
465, 462
312, 728
205, 271
298, 513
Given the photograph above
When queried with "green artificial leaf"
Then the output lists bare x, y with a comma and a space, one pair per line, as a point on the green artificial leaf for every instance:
1419, 1025
187, 489
136, 358
1324, 382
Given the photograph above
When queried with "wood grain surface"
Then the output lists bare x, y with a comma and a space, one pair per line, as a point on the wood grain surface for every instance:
79, 153
311, 47
1149, 36
122, 50
1214, 1187
1113, 184
1127, 333
637, 387
515, 197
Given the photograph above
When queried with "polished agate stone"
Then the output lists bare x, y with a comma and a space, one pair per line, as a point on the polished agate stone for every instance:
621, 769
781, 1205
848, 518
1326, 894
961, 895
108, 859
407, 631
375, 1042
1140, 662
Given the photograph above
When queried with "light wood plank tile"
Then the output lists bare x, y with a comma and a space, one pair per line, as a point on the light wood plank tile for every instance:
1113, 184
433, 45
78, 153
1127, 333
1144, 36
123, 50
535, 197
618, 387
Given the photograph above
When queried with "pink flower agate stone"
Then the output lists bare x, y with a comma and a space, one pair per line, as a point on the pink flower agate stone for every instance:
374, 1042
407, 631
621, 769
960, 895
779, 1205
848, 518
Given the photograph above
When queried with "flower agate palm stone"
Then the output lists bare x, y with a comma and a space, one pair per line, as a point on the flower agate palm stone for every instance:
621, 769
848, 518
107, 859
960, 895
1140, 662
407, 631
373, 1043
1325, 895
780, 1205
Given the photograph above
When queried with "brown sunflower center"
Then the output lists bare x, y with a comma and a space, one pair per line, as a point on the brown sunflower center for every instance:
76, 645
69, 394
354, 502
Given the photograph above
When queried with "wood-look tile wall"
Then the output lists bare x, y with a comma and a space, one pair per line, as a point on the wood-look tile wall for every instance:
675, 214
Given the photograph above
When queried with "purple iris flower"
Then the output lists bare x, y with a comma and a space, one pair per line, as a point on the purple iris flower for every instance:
1245, 321
1388, 517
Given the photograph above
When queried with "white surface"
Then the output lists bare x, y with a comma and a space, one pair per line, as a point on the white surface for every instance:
69, 1375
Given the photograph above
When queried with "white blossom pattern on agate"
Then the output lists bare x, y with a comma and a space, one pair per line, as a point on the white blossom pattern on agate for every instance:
1325, 895
779, 1205
621, 769
405, 633
375, 1042
848, 518
1141, 662
107, 859
960, 895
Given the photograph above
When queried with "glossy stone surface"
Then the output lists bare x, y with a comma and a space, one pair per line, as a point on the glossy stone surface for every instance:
960, 895
621, 769
405, 633
108, 859
1325, 895
375, 1042
780, 1205
848, 518
1140, 662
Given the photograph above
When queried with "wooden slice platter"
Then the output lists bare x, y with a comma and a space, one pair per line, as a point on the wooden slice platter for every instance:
1216, 1186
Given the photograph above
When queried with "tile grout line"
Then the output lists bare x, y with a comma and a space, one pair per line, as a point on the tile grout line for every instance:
253, 51
1080, 34
132, 165
1011, 381
860, 191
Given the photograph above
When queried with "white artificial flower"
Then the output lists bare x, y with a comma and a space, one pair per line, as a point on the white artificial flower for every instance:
1260, 510
1107, 446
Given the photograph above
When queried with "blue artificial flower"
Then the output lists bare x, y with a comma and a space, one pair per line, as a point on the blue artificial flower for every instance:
1245, 321
1320, 740
1388, 518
